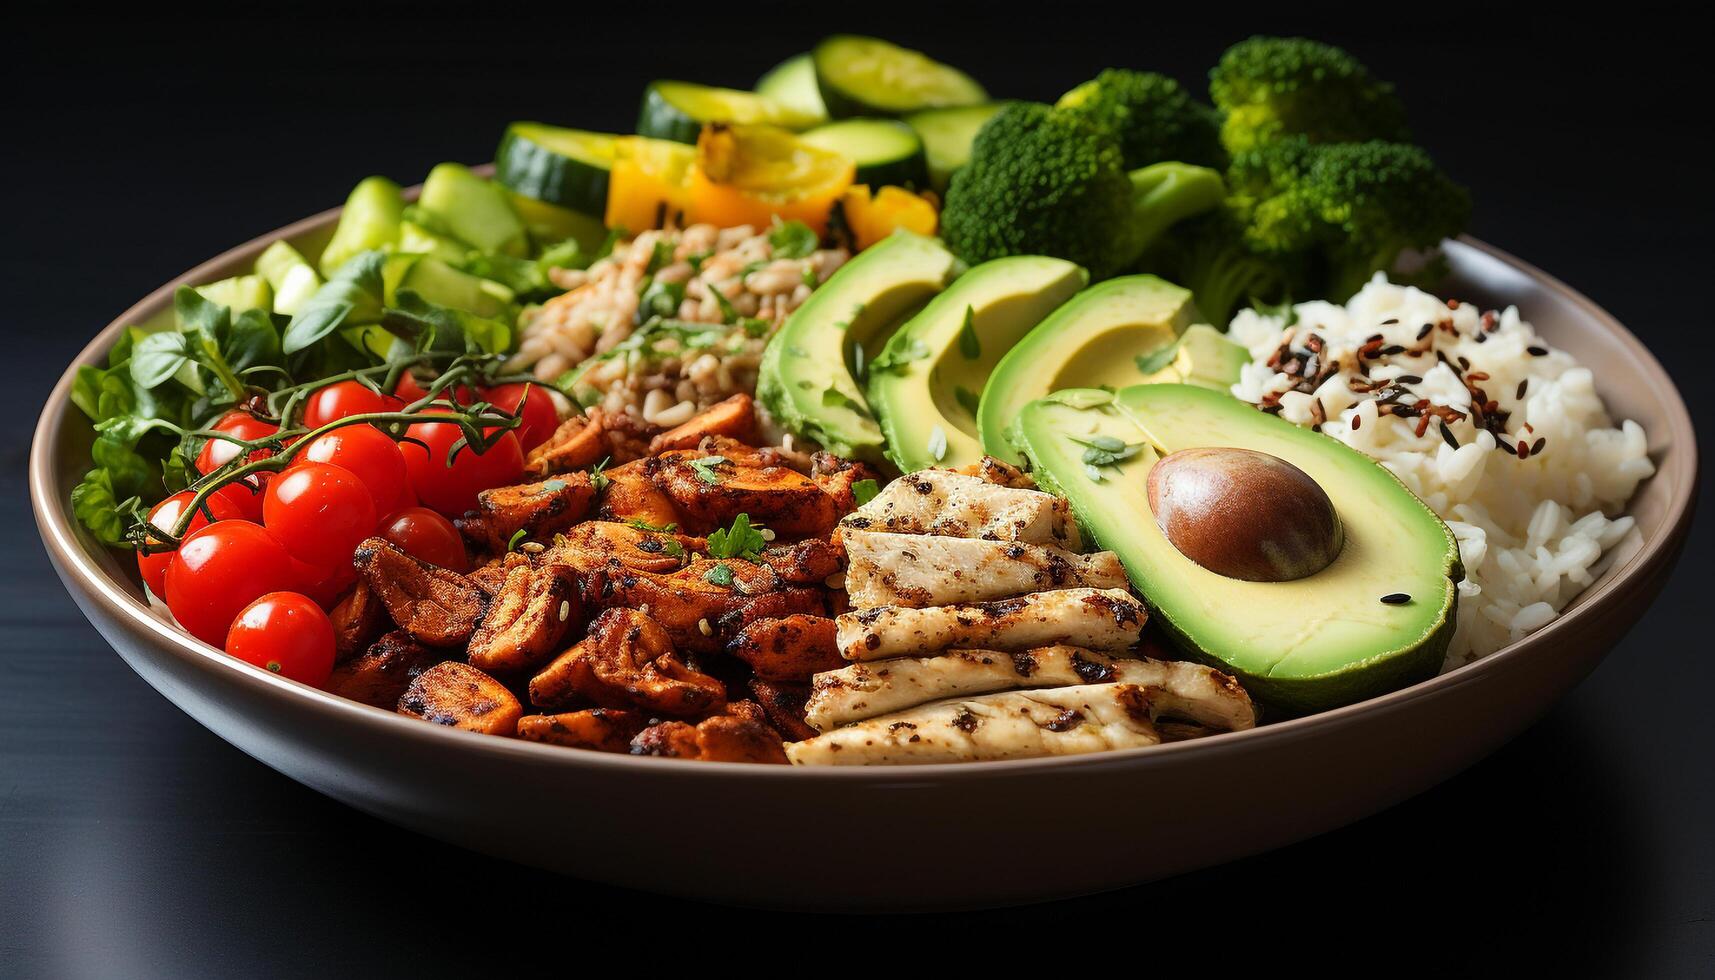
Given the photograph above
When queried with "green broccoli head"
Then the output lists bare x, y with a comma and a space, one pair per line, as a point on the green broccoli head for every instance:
1153, 118
1271, 87
1042, 182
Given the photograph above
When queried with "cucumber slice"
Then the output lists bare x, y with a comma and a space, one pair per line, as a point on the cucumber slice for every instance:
473, 210
678, 110
886, 151
440, 283
792, 83
370, 220
866, 76
418, 240
290, 274
239, 293
550, 224
567, 167
947, 136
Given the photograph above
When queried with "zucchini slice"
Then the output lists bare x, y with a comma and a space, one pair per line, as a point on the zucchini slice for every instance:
678, 110
792, 83
866, 76
947, 135
567, 167
886, 151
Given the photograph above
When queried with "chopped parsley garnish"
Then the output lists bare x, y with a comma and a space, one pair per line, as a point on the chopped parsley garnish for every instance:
739, 541
792, 239
864, 491
729, 312
810, 277
718, 575
517, 536
553, 486
597, 478
668, 528
705, 468
1105, 450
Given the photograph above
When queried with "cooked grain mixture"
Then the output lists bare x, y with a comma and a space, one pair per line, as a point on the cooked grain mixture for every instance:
643, 330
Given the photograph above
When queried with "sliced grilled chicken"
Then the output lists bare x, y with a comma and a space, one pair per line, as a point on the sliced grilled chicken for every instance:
1100, 619
956, 505
884, 568
1182, 690
1013, 725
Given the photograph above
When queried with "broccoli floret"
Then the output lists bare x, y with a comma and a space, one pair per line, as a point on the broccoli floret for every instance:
1047, 182
1270, 87
1151, 116
1209, 256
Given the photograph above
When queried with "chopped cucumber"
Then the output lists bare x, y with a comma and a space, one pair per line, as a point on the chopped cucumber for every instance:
886, 151
792, 83
947, 136
866, 76
678, 110
473, 210
293, 278
370, 220
440, 283
239, 293
416, 239
567, 167
549, 224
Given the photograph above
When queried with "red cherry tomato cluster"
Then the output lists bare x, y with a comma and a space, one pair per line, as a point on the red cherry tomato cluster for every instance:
258, 577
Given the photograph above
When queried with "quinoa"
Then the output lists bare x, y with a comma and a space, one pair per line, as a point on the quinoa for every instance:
592, 342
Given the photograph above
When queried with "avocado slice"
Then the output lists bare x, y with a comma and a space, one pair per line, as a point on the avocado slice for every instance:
1305, 645
1102, 337
927, 382
805, 378
1202, 356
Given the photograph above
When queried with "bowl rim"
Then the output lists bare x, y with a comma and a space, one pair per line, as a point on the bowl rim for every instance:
58, 530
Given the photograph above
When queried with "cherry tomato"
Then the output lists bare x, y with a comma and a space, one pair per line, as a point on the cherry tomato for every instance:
217, 452
165, 516
286, 633
337, 401
245, 498
427, 536
326, 586
219, 570
409, 390
320, 512
367, 452
534, 404
452, 489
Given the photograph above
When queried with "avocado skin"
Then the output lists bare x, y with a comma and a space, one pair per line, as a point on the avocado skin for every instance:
1356, 679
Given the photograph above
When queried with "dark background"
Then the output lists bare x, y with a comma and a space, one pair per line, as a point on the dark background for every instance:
135, 844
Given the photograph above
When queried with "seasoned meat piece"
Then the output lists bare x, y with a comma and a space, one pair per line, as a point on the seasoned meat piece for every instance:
883, 568
733, 418
627, 436
627, 660
1185, 690
1100, 619
380, 675
491, 576
578, 444
1000, 473
811, 561
357, 620
460, 696
598, 729
835, 475
540, 510
525, 622
435, 606
947, 503
719, 487
784, 705
697, 612
632, 497
742, 734
595, 545
1013, 725
791, 648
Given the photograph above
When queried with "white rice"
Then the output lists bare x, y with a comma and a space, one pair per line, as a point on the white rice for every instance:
1532, 532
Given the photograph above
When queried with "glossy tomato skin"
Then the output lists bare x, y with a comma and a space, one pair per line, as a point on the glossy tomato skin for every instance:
245, 499
367, 452
165, 515
427, 536
341, 400
409, 390
286, 633
531, 402
320, 512
217, 452
452, 489
221, 569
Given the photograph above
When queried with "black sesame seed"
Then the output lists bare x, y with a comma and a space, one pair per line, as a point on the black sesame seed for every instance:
1536, 351
1396, 598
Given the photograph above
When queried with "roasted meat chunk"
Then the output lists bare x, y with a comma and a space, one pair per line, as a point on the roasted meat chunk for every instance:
791, 648
357, 620
540, 510
597, 729
626, 661
741, 734
733, 418
460, 696
525, 623
783, 703
578, 444
381, 674
632, 497
709, 489
437, 607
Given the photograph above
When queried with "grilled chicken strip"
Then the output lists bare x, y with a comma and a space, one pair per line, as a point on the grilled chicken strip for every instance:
540, 510
955, 505
357, 620
884, 568
791, 648
1000, 473
711, 488
733, 418
1182, 690
626, 661
596, 729
460, 696
1099, 619
784, 705
525, 622
741, 734
577, 444
1013, 725
437, 607
380, 675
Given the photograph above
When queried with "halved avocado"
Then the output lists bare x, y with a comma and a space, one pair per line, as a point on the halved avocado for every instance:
805, 379
925, 385
1202, 356
1309, 644
1100, 337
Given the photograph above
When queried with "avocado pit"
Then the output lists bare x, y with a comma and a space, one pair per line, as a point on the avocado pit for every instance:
1244, 514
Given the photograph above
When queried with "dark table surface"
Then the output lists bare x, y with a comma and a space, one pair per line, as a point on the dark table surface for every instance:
135, 844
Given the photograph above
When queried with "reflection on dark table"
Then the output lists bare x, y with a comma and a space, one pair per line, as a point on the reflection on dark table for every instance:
135, 844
